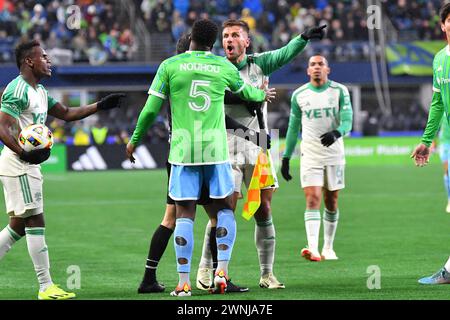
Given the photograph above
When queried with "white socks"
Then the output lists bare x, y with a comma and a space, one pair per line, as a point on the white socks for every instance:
330, 221
312, 226
206, 260
265, 245
7, 238
38, 251
447, 265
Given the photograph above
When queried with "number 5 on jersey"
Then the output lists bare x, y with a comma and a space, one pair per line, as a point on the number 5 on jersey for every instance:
196, 91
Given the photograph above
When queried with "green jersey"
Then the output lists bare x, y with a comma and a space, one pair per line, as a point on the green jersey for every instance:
444, 134
196, 82
28, 106
440, 104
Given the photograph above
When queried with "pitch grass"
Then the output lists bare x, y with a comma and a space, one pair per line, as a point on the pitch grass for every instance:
391, 216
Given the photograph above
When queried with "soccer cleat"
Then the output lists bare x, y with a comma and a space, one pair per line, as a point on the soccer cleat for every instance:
232, 288
154, 287
54, 292
448, 207
310, 255
184, 291
269, 281
328, 254
440, 277
220, 283
204, 278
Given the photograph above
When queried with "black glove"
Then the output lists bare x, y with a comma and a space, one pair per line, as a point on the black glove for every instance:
35, 156
327, 139
314, 33
114, 100
252, 106
261, 139
285, 169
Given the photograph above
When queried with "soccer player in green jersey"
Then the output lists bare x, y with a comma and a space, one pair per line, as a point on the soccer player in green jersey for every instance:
323, 111
440, 107
164, 231
255, 69
195, 82
25, 102
444, 154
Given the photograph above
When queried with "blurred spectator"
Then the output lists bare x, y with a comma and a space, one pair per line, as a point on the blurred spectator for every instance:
81, 134
99, 133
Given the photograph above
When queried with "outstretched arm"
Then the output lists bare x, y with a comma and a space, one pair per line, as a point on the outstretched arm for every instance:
63, 112
271, 61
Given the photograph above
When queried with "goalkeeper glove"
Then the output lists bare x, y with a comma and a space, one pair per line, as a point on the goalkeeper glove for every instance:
314, 33
327, 139
114, 100
285, 169
36, 156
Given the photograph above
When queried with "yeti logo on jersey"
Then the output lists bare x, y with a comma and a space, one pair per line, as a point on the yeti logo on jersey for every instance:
39, 118
320, 113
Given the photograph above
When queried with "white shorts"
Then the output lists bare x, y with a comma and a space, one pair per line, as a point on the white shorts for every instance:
330, 177
243, 174
23, 195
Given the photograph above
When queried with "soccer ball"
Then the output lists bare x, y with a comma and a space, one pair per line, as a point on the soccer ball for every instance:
36, 136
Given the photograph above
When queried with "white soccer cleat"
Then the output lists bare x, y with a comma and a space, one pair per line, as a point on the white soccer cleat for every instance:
269, 281
204, 278
329, 254
448, 207
310, 255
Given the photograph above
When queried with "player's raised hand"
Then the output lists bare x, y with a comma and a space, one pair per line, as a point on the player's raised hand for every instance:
129, 151
421, 155
270, 94
285, 169
115, 100
314, 33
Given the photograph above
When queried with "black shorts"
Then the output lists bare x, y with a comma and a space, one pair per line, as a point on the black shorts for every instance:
204, 196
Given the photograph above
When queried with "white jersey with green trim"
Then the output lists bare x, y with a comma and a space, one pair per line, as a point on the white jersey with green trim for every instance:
319, 107
29, 106
253, 75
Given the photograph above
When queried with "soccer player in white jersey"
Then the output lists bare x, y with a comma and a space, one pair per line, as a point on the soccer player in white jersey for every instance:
440, 107
255, 69
323, 111
25, 102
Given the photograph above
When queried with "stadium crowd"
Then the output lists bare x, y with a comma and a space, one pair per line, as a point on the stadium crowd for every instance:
105, 33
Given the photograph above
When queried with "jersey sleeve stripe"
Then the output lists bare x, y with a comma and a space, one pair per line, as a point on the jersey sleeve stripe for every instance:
19, 90
436, 89
22, 90
12, 114
240, 89
157, 94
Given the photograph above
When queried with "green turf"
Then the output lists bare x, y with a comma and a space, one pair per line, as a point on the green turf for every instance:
391, 216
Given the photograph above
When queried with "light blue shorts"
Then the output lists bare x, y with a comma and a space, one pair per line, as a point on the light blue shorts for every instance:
186, 181
444, 152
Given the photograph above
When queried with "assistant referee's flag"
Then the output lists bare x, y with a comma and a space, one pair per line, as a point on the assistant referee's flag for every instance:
262, 177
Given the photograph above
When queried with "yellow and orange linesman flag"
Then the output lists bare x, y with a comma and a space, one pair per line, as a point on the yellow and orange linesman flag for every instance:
262, 177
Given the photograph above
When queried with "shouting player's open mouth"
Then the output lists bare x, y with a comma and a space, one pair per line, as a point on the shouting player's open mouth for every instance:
230, 50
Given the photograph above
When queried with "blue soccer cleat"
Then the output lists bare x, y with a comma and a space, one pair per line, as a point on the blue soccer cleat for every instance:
440, 277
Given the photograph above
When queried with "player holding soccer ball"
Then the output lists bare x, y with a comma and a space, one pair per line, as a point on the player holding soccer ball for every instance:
323, 110
440, 107
25, 102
